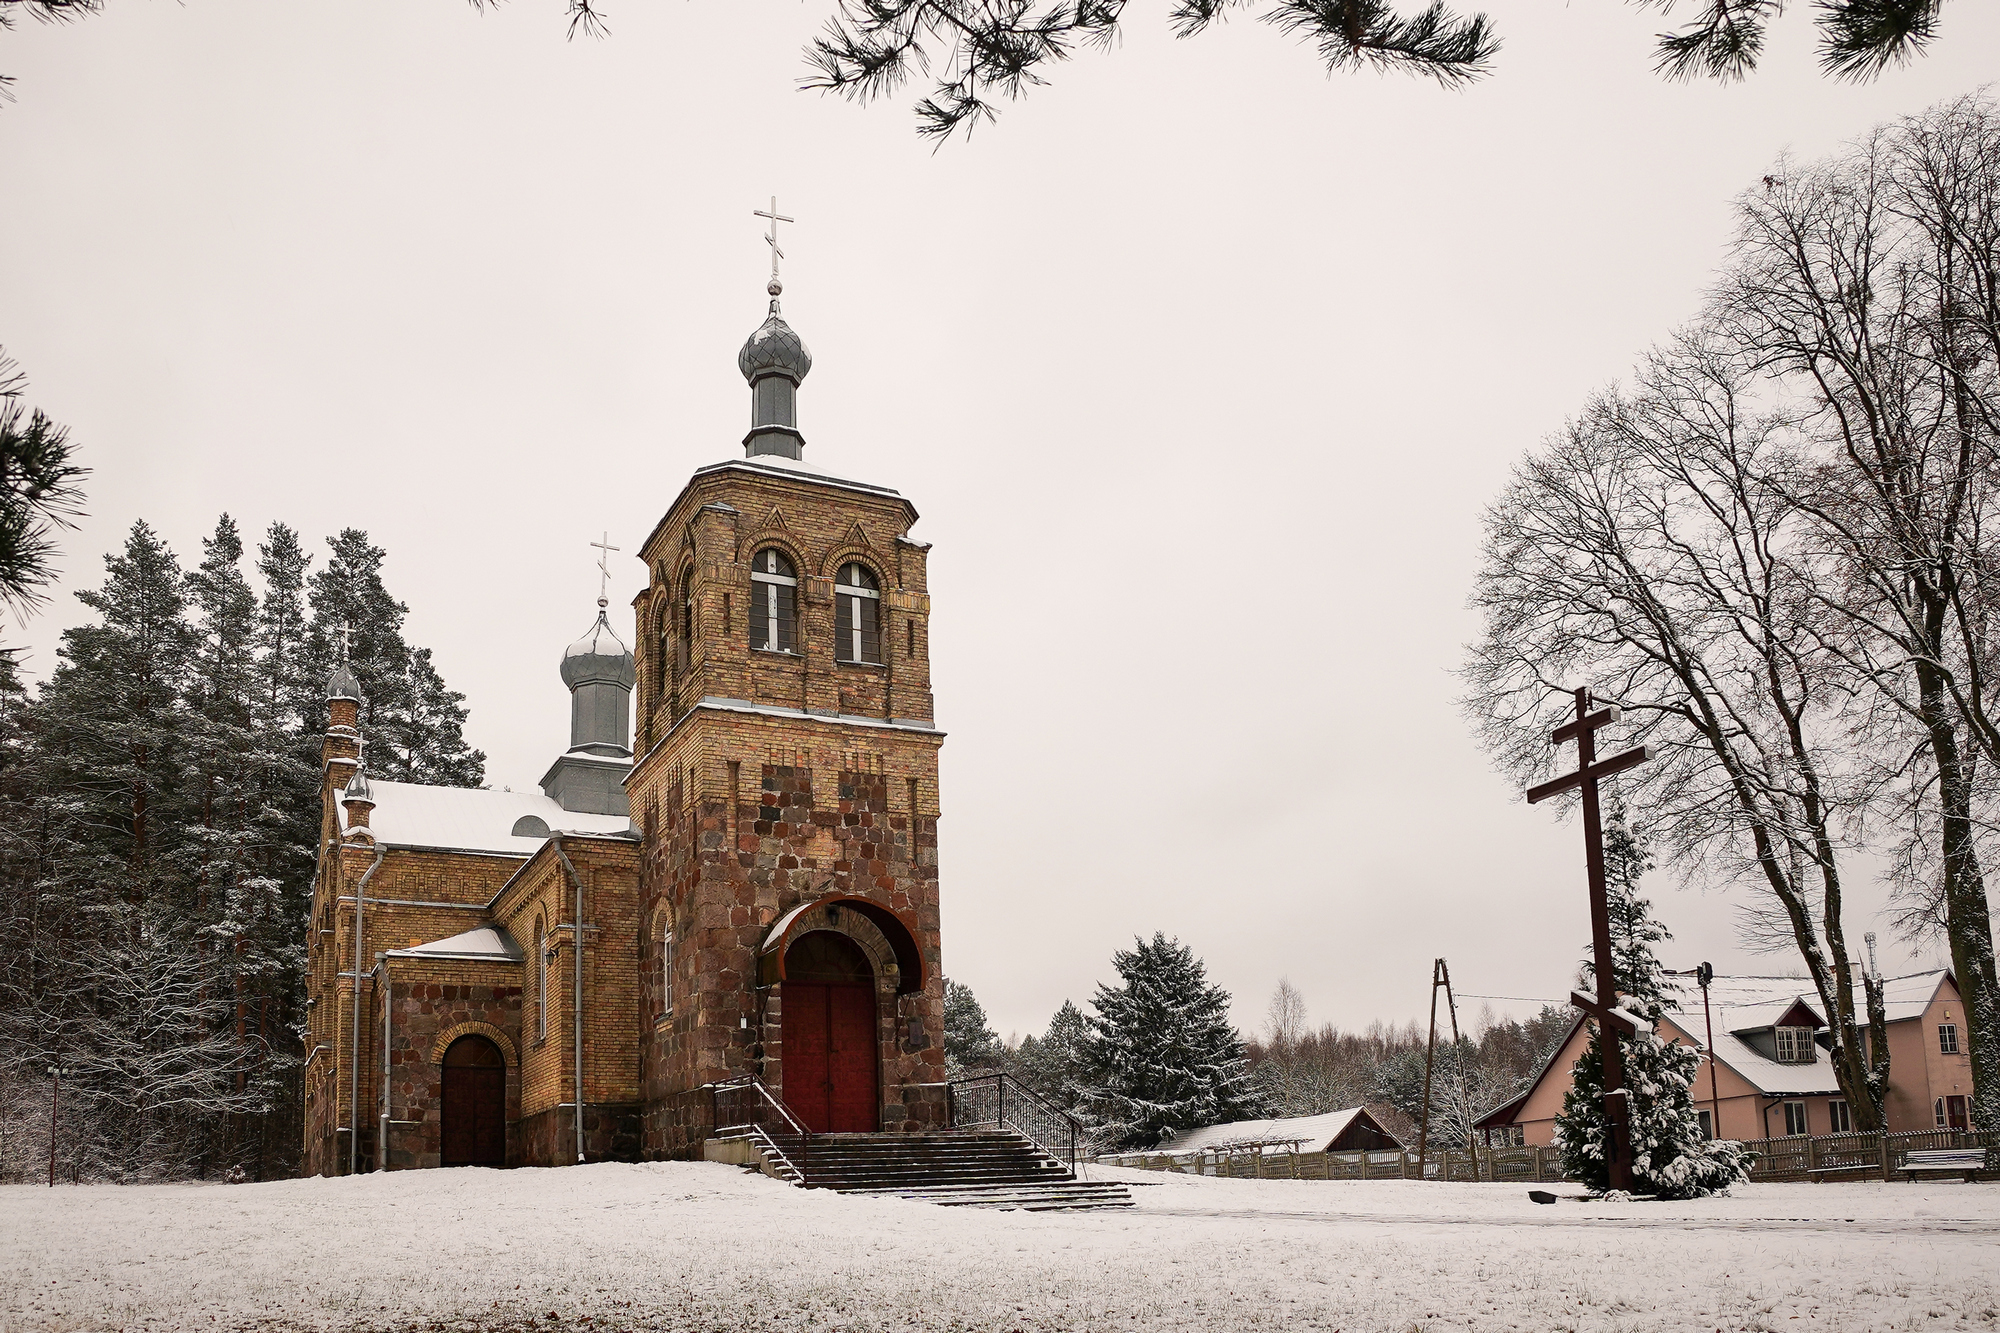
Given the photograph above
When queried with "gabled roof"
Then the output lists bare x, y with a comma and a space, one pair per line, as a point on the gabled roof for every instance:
1312, 1132
472, 819
485, 944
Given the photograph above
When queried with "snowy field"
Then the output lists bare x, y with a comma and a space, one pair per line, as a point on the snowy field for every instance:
694, 1246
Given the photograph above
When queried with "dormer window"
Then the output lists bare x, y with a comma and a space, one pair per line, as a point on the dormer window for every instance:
857, 596
1795, 1046
774, 604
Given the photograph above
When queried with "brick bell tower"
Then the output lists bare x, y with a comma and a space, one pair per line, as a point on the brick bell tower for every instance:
786, 787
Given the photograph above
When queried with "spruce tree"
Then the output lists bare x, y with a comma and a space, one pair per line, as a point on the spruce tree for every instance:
1162, 1055
1054, 1064
969, 1044
1670, 1156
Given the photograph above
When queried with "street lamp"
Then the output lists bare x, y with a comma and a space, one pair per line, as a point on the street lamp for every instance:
57, 1073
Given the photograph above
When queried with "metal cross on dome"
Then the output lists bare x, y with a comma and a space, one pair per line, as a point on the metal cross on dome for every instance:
346, 641
604, 568
772, 239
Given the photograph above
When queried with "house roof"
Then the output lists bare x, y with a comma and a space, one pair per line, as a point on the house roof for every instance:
1313, 1132
486, 944
473, 819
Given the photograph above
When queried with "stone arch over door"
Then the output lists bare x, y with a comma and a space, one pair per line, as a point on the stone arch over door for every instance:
487, 1030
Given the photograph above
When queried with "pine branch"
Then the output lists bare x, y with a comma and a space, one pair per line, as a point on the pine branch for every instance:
1861, 38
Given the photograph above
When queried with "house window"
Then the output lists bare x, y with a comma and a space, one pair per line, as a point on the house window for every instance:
1952, 1113
541, 982
1795, 1118
1707, 1119
774, 604
857, 596
1795, 1046
1947, 1039
666, 971
1838, 1121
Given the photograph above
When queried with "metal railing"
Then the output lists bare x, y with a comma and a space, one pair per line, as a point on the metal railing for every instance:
998, 1099
746, 1108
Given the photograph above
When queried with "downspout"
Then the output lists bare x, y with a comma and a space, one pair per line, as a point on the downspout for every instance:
354, 1053
388, 1031
576, 1008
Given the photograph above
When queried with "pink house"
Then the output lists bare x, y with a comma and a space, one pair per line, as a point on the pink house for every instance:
1772, 1076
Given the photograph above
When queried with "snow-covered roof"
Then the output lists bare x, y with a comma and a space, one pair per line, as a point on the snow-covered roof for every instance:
472, 819
482, 943
1314, 1132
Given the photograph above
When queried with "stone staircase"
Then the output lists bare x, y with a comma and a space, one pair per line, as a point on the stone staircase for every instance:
963, 1168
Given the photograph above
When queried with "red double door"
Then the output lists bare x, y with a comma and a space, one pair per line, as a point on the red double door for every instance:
830, 1077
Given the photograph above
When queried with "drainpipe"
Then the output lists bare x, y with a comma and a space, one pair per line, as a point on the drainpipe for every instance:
388, 1032
354, 1054
576, 1008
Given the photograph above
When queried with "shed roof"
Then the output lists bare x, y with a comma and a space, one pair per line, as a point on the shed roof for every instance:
473, 819
1314, 1132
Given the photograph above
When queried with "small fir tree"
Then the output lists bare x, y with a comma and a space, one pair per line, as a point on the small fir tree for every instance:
1162, 1055
1670, 1156
1055, 1063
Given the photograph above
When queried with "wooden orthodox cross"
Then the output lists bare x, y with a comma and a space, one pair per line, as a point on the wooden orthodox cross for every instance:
1612, 1022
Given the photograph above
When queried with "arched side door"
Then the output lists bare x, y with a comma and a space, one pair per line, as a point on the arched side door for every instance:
473, 1116
831, 1078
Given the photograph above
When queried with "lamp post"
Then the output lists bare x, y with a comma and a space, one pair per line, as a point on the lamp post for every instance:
57, 1073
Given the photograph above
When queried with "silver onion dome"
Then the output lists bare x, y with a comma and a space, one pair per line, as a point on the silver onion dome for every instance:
342, 684
599, 657
774, 348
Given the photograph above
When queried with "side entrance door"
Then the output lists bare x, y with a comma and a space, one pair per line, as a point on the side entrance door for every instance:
829, 1057
473, 1118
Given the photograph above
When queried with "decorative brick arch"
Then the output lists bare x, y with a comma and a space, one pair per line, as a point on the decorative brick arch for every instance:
784, 540
487, 1030
867, 936
861, 555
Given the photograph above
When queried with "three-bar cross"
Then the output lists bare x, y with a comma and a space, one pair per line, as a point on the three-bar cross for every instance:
603, 568
1612, 1022
772, 239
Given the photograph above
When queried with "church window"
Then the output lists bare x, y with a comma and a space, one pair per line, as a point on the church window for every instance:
774, 616
541, 982
857, 612
910, 632
667, 971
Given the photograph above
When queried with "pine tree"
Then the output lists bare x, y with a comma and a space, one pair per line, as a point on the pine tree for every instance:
1671, 1158
1162, 1055
1055, 1065
969, 1044
412, 726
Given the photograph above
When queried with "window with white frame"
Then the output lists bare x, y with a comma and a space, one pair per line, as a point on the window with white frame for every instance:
1838, 1120
541, 981
1795, 1118
1795, 1046
667, 970
774, 603
857, 597
1947, 1039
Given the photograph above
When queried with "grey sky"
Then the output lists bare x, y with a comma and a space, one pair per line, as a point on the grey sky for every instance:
1199, 366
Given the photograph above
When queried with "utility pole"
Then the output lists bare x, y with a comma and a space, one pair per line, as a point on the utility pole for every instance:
1704, 974
57, 1073
1430, 1058
1611, 1022
1441, 977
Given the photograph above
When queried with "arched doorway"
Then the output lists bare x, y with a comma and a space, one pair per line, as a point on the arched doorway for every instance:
473, 1116
828, 1000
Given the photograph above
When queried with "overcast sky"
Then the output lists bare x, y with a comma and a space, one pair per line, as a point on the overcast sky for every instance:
1199, 366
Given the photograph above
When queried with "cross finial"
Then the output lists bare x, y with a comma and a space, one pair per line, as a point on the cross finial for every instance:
603, 569
771, 239
346, 641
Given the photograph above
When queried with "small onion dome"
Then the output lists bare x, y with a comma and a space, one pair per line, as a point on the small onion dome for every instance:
599, 656
774, 348
357, 791
342, 684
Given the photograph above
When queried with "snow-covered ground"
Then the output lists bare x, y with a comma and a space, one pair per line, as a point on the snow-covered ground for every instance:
694, 1246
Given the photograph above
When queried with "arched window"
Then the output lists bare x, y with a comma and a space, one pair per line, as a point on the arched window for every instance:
857, 599
541, 981
666, 966
687, 613
774, 606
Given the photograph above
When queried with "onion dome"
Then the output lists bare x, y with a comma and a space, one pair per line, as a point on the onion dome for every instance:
342, 684
599, 657
357, 791
774, 349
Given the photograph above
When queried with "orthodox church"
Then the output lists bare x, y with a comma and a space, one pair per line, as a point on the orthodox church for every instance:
742, 884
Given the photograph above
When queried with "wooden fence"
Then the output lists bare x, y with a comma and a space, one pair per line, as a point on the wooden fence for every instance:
1822, 1157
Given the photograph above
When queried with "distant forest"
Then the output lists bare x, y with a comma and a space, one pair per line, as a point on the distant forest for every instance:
158, 822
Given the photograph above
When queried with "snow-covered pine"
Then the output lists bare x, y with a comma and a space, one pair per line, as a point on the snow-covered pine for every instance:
1671, 1158
969, 1044
1162, 1056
